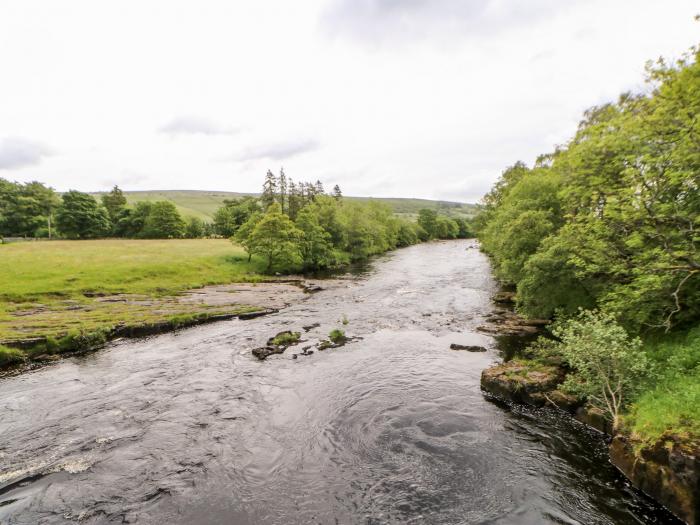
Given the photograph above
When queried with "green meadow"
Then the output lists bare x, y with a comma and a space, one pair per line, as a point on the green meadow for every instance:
52, 288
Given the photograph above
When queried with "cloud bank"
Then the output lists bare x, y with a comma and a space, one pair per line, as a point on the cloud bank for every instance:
16, 152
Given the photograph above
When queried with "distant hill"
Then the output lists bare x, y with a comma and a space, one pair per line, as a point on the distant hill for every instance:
203, 204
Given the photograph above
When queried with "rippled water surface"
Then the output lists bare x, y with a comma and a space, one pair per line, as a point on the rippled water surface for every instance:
189, 428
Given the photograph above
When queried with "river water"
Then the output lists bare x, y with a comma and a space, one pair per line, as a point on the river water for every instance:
189, 428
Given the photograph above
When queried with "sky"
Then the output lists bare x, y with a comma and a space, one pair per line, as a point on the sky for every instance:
387, 98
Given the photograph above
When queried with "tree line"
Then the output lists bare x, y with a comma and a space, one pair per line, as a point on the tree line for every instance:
299, 226
35, 210
610, 223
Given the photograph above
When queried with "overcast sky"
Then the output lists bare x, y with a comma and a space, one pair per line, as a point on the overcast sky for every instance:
407, 98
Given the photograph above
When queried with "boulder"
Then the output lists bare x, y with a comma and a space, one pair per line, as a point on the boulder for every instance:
593, 417
667, 470
264, 352
504, 298
468, 348
522, 382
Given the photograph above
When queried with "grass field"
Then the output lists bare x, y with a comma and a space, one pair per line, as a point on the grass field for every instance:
34, 270
52, 288
203, 204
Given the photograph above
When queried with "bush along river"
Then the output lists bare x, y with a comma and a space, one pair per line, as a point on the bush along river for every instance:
390, 427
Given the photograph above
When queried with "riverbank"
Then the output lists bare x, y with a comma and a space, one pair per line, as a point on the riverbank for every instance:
62, 297
666, 468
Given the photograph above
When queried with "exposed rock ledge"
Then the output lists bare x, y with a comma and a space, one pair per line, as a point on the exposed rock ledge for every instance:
668, 471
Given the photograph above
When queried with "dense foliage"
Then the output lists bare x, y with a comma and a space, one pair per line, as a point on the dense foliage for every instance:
35, 210
610, 223
303, 228
612, 218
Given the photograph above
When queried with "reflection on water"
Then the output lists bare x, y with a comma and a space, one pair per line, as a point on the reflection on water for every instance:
189, 428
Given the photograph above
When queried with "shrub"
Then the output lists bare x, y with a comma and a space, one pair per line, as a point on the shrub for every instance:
10, 356
337, 336
82, 340
607, 366
286, 338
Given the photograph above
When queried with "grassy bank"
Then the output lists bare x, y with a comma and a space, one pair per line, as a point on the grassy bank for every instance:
671, 401
668, 402
67, 292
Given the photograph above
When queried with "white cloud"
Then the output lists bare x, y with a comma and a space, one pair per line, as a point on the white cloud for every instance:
193, 125
413, 98
279, 150
16, 152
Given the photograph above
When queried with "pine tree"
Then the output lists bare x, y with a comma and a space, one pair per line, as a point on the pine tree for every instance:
319, 188
337, 194
269, 190
294, 200
282, 186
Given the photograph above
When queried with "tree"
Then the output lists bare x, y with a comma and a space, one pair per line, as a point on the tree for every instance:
115, 203
243, 235
269, 193
607, 366
81, 217
428, 221
27, 209
315, 244
337, 194
163, 222
233, 214
195, 228
295, 200
464, 228
446, 228
282, 194
276, 238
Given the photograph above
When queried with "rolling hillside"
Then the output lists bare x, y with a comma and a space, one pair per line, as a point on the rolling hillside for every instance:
203, 204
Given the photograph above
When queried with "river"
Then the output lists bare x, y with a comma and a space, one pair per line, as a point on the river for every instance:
189, 428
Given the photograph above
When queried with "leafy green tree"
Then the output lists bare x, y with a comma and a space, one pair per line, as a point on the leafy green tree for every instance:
194, 228
408, 234
446, 228
329, 213
243, 235
81, 217
114, 202
233, 214
427, 219
315, 243
464, 228
27, 210
276, 239
608, 367
163, 222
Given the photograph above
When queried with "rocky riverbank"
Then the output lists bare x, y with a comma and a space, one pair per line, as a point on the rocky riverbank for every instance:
667, 470
52, 334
